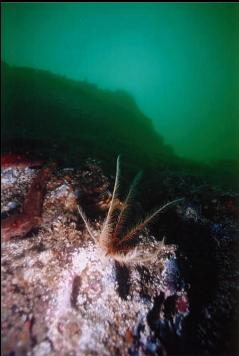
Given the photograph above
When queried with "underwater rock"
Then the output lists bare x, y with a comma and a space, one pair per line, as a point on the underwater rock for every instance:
30, 217
62, 296
171, 276
8, 177
9, 208
60, 281
63, 197
19, 160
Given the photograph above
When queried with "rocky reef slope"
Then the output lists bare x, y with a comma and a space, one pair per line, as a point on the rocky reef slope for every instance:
61, 296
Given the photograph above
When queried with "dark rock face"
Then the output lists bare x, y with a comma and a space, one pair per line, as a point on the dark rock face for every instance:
60, 115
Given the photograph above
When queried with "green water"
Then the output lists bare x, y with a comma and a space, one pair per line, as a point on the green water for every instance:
157, 83
177, 62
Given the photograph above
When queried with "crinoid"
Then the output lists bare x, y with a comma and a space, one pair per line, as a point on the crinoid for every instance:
114, 239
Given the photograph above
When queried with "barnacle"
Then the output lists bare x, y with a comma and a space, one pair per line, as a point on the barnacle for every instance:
114, 238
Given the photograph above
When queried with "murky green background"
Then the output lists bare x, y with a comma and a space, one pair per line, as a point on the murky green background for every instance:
179, 62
